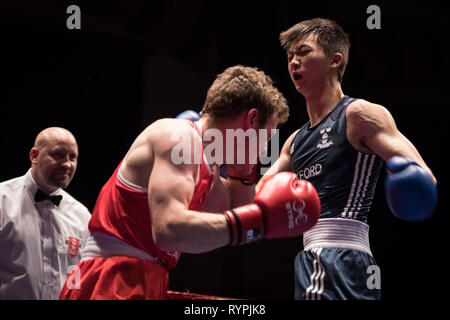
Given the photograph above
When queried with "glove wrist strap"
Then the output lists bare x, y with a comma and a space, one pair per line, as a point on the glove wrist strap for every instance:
235, 227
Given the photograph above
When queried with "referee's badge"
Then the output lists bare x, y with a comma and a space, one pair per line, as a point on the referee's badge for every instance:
73, 245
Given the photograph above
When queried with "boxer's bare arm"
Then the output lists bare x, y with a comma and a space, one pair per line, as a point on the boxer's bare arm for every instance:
219, 199
170, 190
240, 193
282, 164
372, 129
227, 194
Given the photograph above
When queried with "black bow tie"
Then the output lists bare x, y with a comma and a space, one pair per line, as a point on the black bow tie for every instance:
41, 196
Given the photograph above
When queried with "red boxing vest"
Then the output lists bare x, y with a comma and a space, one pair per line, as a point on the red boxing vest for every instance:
123, 212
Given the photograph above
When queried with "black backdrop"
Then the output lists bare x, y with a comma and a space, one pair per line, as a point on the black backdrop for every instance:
133, 62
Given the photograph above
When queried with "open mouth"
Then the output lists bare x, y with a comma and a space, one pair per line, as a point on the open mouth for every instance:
296, 76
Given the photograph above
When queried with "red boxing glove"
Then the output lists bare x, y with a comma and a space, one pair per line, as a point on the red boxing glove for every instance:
283, 207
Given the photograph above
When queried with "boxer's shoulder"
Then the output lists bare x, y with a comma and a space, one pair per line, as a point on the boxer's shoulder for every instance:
365, 113
165, 139
167, 133
169, 124
364, 120
363, 109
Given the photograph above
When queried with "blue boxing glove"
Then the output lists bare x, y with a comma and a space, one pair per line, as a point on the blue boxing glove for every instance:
189, 115
410, 191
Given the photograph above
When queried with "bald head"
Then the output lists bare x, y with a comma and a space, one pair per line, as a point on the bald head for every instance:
54, 158
53, 134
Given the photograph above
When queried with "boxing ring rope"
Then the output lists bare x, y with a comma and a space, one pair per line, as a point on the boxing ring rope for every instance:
176, 295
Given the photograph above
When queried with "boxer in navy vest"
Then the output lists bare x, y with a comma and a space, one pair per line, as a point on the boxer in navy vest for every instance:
341, 151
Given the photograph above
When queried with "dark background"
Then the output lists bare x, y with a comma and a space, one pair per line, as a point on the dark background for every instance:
133, 62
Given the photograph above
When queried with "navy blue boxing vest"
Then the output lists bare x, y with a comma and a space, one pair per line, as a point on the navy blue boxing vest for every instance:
344, 178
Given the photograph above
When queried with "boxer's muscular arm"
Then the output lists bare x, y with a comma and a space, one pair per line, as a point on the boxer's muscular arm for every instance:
240, 193
174, 227
372, 129
227, 194
219, 199
282, 164
170, 190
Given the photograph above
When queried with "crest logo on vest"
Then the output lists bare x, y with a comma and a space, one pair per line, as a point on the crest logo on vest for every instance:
326, 141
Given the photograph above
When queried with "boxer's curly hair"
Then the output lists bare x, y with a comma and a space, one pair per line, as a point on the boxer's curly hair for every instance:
330, 37
240, 88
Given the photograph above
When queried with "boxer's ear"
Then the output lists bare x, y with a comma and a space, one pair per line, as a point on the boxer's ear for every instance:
336, 60
253, 118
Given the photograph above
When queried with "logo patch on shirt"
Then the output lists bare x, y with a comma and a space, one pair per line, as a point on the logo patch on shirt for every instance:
73, 246
326, 141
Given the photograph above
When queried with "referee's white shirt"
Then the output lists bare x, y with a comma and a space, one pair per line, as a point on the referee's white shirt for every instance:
39, 242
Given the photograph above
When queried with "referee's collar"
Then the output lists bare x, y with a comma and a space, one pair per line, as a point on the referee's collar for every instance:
32, 186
